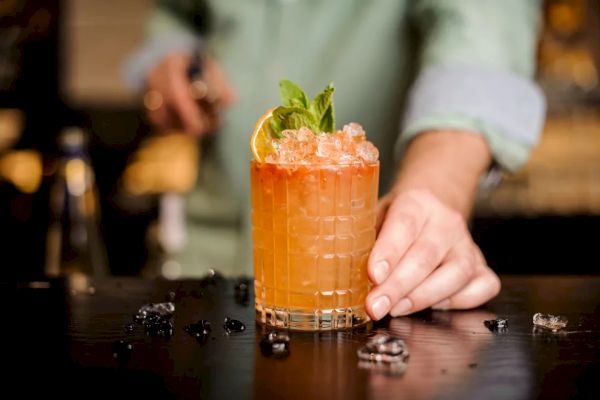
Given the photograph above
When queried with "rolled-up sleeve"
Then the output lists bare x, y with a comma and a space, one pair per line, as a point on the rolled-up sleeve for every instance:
165, 34
477, 61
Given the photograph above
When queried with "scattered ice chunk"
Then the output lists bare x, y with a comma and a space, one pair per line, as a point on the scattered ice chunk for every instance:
384, 354
161, 309
496, 325
233, 325
384, 349
549, 321
156, 318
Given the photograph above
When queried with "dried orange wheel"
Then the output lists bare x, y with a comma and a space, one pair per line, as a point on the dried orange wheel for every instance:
261, 142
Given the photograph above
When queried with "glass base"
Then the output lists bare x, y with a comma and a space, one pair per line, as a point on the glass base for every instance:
319, 320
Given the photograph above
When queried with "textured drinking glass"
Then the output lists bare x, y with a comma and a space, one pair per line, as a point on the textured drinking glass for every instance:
313, 228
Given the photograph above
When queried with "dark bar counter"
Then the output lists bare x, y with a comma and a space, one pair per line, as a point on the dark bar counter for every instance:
62, 333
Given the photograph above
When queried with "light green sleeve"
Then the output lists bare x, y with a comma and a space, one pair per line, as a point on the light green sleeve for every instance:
477, 59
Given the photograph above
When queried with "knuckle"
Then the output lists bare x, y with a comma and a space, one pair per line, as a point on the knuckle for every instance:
428, 254
466, 268
406, 225
397, 284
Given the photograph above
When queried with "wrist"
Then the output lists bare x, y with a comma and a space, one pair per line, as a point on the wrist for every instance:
447, 164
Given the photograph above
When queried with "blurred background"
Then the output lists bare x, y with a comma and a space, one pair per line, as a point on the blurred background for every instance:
61, 66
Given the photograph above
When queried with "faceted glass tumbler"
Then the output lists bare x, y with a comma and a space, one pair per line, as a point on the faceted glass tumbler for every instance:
313, 227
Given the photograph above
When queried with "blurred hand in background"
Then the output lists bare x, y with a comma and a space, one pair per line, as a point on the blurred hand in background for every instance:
174, 100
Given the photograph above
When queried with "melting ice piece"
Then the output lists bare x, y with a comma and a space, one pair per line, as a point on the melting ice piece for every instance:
384, 349
233, 325
160, 309
156, 318
549, 321
496, 325
159, 327
200, 330
276, 344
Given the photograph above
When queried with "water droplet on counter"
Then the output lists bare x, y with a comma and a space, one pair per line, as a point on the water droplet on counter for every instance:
200, 330
233, 326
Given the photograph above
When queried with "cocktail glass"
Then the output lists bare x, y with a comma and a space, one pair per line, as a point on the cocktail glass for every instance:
313, 228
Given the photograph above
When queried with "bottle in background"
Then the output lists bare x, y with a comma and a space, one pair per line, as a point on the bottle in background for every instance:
74, 244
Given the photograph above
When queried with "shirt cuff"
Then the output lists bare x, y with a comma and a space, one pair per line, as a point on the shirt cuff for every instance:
506, 108
140, 63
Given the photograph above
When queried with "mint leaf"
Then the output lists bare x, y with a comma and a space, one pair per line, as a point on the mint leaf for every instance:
292, 95
276, 128
322, 108
297, 111
327, 123
322, 101
292, 118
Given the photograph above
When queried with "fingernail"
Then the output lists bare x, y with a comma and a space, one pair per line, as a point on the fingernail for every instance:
380, 271
402, 307
380, 307
442, 305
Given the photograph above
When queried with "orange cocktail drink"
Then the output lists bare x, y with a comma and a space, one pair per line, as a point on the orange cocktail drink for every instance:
313, 229
314, 199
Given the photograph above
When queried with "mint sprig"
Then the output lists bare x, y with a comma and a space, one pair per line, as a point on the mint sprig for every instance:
297, 111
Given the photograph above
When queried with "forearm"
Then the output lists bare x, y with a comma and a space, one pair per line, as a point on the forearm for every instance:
446, 163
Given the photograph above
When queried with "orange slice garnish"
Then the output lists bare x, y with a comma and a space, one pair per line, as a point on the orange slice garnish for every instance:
261, 142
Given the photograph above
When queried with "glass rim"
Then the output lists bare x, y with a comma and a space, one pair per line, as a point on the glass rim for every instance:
318, 165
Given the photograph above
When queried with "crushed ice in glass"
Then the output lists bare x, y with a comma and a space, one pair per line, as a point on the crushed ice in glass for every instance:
122, 350
156, 318
200, 330
275, 344
496, 325
233, 325
384, 349
549, 321
242, 291
302, 146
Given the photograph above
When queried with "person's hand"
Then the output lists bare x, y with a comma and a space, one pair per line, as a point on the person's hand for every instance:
424, 256
171, 99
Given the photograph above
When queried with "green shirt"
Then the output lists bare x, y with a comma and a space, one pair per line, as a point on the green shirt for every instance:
400, 67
